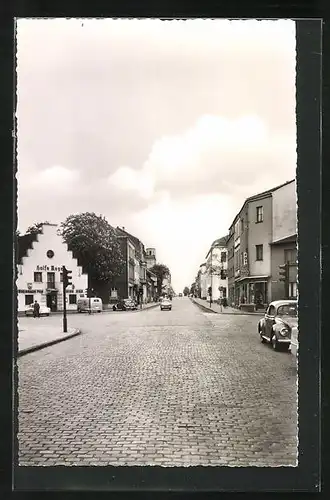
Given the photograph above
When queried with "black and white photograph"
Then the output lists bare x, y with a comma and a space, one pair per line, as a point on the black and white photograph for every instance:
157, 265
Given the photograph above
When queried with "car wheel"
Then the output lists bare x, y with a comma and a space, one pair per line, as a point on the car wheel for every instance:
275, 343
114, 308
261, 337
47, 314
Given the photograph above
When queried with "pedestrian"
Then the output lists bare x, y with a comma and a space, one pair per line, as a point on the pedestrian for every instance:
36, 309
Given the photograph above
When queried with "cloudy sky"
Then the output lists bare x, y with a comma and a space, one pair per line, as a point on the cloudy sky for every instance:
164, 127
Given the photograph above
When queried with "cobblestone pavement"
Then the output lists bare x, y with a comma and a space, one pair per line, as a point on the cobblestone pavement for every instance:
171, 388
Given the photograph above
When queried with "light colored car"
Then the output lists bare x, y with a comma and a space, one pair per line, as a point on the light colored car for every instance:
43, 311
165, 304
279, 322
294, 342
92, 304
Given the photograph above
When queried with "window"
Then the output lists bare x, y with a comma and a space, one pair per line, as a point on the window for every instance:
61, 277
259, 252
271, 311
72, 298
28, 300
37, 277
260, 214
242, 225
290, 256
223, 257
287, 310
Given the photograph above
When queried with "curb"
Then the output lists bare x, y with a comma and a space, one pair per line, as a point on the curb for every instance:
47, 344
208, 309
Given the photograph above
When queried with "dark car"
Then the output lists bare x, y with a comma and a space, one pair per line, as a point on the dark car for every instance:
279, 322
125, 305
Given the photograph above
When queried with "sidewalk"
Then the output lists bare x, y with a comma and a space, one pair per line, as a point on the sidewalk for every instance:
216, 308
38, 337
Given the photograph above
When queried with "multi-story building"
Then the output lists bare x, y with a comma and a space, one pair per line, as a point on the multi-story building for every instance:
40, 259
252, 248
216, 269
133, 280
203, 280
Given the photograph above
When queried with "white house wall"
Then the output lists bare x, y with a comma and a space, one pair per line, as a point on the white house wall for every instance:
37, 261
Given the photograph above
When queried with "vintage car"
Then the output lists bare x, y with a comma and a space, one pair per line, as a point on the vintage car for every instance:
125, 305
165, 304
43, 311
279, 323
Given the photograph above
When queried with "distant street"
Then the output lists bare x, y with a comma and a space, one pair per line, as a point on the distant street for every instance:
171, 388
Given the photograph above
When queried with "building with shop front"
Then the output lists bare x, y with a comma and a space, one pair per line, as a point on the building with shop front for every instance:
132, 282
40, 258
255, 246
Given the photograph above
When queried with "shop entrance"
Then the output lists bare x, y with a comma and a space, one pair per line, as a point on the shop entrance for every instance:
51, 301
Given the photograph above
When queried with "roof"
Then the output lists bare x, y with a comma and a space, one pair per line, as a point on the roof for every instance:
288, 239
220, 242
260, 195
136, 242
278, 303
25, 242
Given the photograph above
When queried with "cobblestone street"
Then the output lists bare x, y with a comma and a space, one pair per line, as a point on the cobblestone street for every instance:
171, 388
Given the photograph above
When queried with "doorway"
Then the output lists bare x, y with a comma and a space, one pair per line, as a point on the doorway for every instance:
51, 301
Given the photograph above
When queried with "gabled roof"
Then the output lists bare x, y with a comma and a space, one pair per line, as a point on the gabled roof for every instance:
25, 242
260, 195
220, 242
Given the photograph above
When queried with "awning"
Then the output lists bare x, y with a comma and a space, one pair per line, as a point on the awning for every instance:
263, 278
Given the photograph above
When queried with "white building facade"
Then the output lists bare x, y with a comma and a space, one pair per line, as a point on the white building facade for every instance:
216, 269
39, 271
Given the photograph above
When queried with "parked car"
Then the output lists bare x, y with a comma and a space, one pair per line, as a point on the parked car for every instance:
43, 311
92, 304
165, 304
125, 305
294, 342
279, 322
180, 294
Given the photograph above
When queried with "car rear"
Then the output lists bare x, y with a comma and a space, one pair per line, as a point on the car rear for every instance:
165, 305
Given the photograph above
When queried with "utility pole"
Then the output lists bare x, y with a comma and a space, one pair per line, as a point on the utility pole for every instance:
66, 281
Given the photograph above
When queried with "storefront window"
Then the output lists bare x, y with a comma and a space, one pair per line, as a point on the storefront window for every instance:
72, 298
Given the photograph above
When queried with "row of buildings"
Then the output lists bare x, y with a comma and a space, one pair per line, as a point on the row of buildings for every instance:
245, 265
41, 256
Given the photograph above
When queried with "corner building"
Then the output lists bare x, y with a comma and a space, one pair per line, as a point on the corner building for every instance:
40, 259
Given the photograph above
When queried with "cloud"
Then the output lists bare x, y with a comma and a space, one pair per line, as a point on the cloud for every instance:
216, 155
162, 126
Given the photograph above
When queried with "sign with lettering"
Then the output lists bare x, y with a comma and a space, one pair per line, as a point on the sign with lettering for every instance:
80, 291
49, 268
30, 291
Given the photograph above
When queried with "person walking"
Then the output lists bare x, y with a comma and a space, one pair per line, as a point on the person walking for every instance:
36, 310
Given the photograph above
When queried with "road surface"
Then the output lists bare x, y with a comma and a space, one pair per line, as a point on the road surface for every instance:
171, 388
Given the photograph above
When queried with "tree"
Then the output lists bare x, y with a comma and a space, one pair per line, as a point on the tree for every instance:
94, 242
186, 291
161, 271
36, 228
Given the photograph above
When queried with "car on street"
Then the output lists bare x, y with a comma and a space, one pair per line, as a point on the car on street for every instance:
44, 310
165, 304
125, 305
279, 324
180, 294
89, 304
294, 342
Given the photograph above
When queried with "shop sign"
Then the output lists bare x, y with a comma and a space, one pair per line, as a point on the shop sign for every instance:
30, 291
49, 268
79, 291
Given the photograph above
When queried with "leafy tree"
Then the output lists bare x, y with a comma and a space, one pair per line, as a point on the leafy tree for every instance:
161, 271
186, 291
36, 228
94, 242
